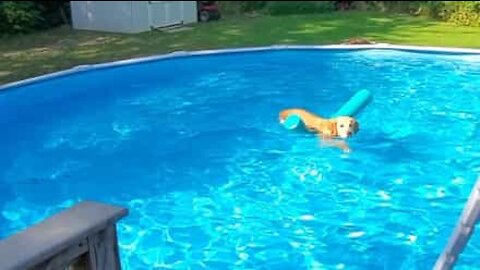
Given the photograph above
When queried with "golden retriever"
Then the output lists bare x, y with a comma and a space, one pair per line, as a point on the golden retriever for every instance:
328, 129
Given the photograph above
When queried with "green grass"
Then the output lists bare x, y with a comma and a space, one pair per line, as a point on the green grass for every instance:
35, 54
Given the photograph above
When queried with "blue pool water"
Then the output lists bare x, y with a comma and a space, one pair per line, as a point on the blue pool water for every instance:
193, 147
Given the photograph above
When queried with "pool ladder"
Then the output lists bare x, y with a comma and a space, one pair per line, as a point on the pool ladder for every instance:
463, 231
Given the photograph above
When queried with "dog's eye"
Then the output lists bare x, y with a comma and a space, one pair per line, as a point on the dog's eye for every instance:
341, 125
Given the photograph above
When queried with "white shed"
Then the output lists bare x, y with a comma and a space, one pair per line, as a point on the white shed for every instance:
131, 16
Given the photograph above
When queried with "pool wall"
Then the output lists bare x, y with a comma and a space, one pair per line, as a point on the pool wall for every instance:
179, 54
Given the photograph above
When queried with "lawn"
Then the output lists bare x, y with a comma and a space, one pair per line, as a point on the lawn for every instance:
39, 53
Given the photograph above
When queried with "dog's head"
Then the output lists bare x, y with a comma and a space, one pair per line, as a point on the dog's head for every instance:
346, 126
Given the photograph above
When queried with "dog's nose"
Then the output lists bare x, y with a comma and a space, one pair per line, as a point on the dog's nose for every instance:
349, 133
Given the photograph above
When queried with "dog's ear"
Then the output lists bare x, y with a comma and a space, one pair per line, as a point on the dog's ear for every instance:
332, 127
357, 126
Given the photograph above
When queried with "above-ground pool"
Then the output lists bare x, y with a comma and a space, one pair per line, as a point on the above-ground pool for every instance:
193, 147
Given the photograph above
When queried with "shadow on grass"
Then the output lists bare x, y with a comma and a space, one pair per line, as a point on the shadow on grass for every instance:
331, 28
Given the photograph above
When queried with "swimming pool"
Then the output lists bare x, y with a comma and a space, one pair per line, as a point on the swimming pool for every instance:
193, 147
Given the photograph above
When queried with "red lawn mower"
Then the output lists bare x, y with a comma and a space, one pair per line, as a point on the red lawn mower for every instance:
208, 11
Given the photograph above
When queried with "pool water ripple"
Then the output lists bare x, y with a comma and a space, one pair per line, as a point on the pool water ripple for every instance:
193, 148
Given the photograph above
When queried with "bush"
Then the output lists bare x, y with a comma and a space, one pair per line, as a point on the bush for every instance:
26, 16
462, 12
18, 17
53, 13
459, 12
389, 6
276, 7
299, 7
432, 9
368, 5
237, 7
230, 7
247, 6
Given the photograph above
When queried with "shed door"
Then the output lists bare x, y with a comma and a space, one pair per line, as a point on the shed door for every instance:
165, 13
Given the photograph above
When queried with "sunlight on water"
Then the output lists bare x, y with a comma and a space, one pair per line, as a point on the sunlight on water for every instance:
194, 149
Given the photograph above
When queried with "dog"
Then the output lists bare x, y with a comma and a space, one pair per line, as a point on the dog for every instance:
328, 130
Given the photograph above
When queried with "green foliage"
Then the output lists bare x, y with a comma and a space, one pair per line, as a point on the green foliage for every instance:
299, 7
247, 6
53, 13
388, 6
27, 16
237, 7
458, 12
432, 9
368, 5
277, 7
230, 7
18, 17
462, 12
